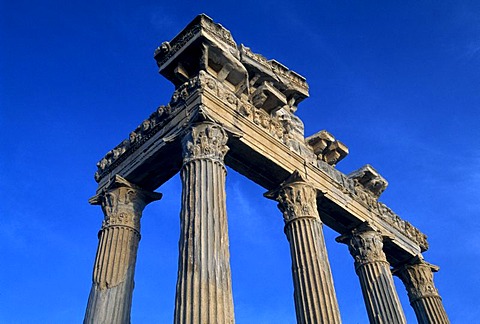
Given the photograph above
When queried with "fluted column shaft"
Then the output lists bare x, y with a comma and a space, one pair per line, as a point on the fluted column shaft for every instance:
110, 298
424, 297
314, 292
204, 289
376, 280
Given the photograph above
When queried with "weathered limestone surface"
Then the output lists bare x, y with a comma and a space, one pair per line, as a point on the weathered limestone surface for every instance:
204, 289
111, 294
417, 275
370, 179
255, 100
314, 293
381, 300
327, 148
225, 94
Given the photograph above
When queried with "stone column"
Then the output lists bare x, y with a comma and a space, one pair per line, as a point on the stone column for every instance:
417, 276
314, 293
110, 298
381, 300
204, 289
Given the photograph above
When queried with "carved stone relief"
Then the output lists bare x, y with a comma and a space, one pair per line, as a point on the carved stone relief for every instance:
214, 76
296, 200
358, 192
148, 128
268, 98
280, 123
168, 49
370, 179
366, 247
418, 278
288, 77
327, 148
206, 141
122, 203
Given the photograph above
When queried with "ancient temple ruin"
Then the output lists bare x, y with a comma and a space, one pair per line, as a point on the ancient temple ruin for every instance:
234, 107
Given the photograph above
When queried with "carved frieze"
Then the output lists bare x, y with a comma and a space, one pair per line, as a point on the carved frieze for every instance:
205, 141
365, 198
268, 99
266, 122
148, 128
290, 78
202, 23
202, 45
264, 90
370, 179
248, 95
280, 123
277, 124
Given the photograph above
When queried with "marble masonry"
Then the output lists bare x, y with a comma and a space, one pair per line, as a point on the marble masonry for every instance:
233, 107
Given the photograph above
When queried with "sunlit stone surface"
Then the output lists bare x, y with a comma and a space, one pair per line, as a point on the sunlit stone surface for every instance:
234, 107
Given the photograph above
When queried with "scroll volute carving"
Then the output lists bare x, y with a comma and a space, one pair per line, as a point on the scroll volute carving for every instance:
122, 206
205, 140
417, 276
123, 202
295, 201
296, 198
367, 247
365, 244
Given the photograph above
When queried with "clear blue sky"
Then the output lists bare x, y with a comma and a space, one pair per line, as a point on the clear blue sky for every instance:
399, 84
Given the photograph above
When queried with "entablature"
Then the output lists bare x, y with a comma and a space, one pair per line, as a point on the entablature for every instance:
255, 100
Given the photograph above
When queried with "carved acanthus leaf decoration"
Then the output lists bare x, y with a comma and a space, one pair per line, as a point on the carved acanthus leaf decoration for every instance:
418, 279
280, 123
123, 202
206, 140
296, 198
365, 245
147, 129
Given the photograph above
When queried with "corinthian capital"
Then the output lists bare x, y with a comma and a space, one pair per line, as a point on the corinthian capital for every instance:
365, 245
296, 198
122, 203
417, 275
205, 140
